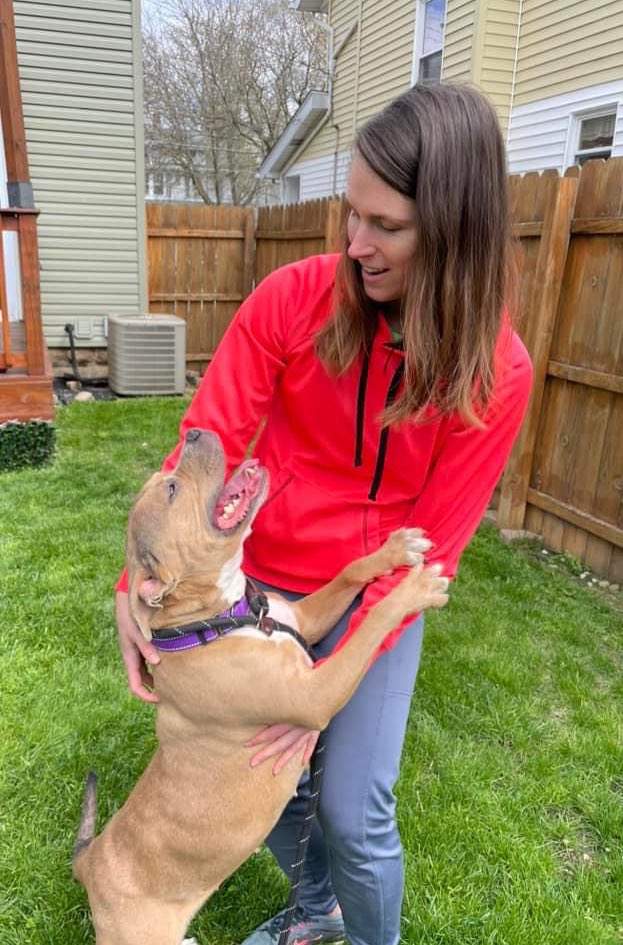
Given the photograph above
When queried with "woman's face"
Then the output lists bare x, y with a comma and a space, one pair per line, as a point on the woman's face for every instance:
381, 232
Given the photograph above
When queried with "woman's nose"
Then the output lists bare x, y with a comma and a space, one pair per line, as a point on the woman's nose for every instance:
359, 244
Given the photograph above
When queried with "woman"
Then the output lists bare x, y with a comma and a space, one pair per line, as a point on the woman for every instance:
393, 387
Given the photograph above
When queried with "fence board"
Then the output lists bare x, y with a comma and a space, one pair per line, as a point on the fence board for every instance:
200, 269
551, 200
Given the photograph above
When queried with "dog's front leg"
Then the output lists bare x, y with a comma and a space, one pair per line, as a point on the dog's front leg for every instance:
320, 611
310, 697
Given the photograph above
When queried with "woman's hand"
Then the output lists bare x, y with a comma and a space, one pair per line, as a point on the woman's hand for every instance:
286, 741
135, 650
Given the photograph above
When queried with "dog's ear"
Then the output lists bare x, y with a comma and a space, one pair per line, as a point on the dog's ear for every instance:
139, 608
149, 583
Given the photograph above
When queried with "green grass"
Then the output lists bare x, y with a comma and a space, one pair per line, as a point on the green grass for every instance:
511, 794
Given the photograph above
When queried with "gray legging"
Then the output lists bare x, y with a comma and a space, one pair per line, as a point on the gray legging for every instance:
355, 854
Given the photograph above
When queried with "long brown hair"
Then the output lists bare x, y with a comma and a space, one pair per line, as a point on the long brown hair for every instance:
440, 145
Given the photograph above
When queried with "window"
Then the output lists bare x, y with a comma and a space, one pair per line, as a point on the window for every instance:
292, 189
430, 18
593, 135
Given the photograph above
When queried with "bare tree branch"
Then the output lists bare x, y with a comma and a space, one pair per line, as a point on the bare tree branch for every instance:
222, 80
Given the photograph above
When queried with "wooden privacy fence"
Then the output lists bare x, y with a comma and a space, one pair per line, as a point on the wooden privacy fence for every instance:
564, 479
201, 267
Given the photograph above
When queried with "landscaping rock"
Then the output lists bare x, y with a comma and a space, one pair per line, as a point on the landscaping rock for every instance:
84, 396
508, 535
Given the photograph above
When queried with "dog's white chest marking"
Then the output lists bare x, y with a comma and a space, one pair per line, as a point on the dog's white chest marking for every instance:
231, 581
280, 609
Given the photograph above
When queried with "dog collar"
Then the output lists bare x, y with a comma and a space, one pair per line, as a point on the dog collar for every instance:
250, 611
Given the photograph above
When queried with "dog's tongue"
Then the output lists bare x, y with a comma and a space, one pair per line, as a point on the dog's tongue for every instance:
233, 502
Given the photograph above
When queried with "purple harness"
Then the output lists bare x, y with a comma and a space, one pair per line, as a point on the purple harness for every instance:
250, 611
202, 632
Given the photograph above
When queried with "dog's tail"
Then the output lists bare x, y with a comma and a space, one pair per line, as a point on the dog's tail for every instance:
88, 817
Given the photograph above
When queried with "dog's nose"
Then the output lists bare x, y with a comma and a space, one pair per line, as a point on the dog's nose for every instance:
193, 435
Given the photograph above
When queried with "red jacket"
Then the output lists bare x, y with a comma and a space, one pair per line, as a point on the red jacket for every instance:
333, 494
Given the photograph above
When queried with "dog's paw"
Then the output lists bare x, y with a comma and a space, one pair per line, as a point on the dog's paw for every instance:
190, 941
406, 547
427, 587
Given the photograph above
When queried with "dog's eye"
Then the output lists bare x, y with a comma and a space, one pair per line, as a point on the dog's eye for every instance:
171, 489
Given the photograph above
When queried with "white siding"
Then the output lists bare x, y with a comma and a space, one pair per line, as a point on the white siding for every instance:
320, 177
80, 74
539, 132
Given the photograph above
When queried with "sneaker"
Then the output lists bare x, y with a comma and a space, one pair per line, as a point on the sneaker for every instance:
305, 930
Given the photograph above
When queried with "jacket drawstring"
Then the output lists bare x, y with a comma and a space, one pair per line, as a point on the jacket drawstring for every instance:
361, 406
380, 459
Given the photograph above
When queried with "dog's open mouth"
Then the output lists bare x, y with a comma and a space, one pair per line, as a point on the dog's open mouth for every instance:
237, 495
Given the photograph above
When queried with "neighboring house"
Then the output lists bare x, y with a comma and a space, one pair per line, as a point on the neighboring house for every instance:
81, 81
168, 183
553, 69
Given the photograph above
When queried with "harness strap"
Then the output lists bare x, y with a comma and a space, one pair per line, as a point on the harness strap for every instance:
250, 611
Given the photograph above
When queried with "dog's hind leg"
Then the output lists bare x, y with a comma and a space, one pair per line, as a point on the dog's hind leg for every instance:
143, 922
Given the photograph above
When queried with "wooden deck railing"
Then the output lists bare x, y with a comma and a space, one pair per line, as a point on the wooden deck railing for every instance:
30, 355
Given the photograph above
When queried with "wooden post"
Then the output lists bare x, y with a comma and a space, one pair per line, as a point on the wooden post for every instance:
18, 177
5, 355
31, 293
248, 258
548, 278
333, 226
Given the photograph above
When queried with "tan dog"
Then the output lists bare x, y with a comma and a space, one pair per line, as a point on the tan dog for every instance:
200, 810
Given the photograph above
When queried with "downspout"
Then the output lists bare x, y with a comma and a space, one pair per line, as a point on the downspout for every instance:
336, 155
514, 79
334, 57
357, 68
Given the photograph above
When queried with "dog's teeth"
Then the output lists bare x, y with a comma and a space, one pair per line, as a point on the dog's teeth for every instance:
228, 510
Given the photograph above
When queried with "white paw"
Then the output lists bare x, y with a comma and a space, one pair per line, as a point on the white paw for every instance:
416, 545
190, 941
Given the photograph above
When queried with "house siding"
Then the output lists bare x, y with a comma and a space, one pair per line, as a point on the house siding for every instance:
539, 131
372, 68
566, 46
339, 127
322, 176
495, 45
80, 74
458, 41
385, 55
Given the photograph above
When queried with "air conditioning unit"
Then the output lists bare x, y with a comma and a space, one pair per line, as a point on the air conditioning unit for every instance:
146, 354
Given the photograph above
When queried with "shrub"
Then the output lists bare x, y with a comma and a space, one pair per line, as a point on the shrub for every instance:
26, 444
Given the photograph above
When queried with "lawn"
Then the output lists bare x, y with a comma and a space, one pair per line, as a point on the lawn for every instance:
511, 794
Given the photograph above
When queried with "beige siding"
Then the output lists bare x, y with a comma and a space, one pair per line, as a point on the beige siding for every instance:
373, 67
342, 14
496, 27
565, 46
386, 54
459, 40
80, 68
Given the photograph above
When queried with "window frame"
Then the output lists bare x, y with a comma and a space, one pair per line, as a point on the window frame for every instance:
575, 130
418, 40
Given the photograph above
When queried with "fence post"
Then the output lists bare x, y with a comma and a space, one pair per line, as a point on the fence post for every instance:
248, 260
333, 224
543, 307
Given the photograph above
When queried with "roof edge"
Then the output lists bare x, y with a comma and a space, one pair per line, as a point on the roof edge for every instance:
315, 106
